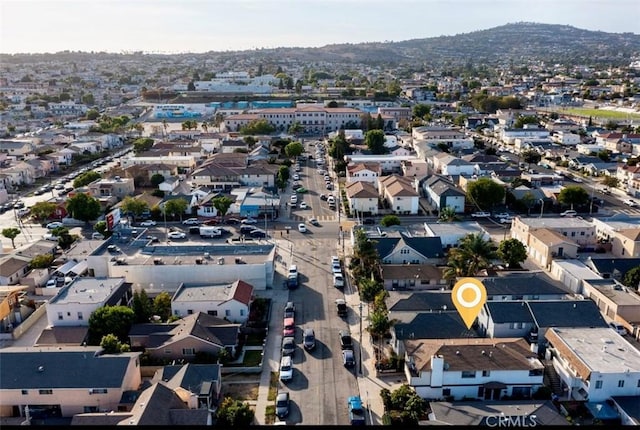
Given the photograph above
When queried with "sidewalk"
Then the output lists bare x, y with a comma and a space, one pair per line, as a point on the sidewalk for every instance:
369, 384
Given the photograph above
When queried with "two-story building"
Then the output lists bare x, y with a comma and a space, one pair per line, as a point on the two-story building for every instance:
366, 172
443, 193
576, 229
229, 301
362, 197
400, 194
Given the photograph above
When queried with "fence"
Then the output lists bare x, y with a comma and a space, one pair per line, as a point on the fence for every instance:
29, 322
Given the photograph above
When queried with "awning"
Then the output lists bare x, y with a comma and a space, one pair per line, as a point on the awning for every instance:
494, 385
79, 268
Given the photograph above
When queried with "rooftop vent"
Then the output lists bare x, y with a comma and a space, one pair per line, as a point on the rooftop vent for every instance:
40, 368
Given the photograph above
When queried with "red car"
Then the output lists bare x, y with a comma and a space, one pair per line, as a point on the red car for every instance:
289, 327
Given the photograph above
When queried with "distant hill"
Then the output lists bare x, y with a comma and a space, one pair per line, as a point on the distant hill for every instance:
517, 42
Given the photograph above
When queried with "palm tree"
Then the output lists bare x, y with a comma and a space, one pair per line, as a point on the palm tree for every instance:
205, 127
472, 255
448, 214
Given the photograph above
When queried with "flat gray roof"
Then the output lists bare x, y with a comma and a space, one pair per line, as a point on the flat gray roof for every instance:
87, 290
601, 349
449, 228
218, 292
556, 222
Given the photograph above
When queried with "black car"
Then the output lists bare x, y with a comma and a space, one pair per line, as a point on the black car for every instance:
232, 221
345, 340
257, 233
246, 229
348, 359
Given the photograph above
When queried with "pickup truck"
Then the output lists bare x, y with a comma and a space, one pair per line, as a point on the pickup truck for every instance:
356, 411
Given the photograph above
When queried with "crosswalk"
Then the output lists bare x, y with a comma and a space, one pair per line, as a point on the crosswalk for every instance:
320, 218
629, 211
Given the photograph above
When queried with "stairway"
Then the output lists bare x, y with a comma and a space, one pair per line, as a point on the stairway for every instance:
551, 378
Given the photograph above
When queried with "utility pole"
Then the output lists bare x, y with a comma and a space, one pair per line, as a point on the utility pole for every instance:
360, 341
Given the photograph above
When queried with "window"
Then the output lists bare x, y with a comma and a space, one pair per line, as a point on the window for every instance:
468, 373
446, 391
638, 383
188, 351
620, 383
486, 373
213, 313
189, 311
598, 385
167, 351
25, 392
98, 391
227, 313
79, 315
45, 391
480, 391
241, 312
60, 317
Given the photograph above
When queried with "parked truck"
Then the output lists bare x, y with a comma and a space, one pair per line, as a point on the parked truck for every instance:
206, 231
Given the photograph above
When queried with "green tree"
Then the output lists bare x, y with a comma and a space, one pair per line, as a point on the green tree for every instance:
83, 207
525, 119
175, 207
379, 323
604, 155
607, 181
162, 306
485, 193
389, 220
102, 228
573, 195
41, 261
88, 99
141, 306
296, 128
11, 233
86, 178
257, 126
294, 149
92, 114
365, 252
234, 413
116, 320
374, 139
283, 172
43, 210
369, 288
631, 279
142, 144
421, 111
531, 157
112, 345
512, 252
222, 205
156, 180
135, 207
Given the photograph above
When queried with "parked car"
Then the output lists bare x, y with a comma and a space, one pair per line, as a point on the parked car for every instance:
323, 197
569, 213
348, 359
314, 221
345, 340
480, 215
289, 310
302, 228
282, 404
502, 215
54, 225
356, 411
341, 307
191, 221
148, 223
177, 235
232, 221
294, 199
258, 233
506, 220
288, 345
303, 205
619, 328
286, 368
630, 202
309, 339
249, 221
338, 280
246, 229
289, 327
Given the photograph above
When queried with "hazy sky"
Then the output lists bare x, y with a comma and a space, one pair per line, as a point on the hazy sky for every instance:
171, 26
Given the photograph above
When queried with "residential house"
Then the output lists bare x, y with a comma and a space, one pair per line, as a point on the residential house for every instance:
186, 162
412, 277
403, 305
13, 268
572, 273
577, 229
362, 197
509, 135
198, 385
206, 207
453, 138
449, 165
566, 138
427, 325
451, 233
415, 168
531, 318
74, 303
443, 193
612, 268
17, 148
115, 187
158, 406
182, 339
545, 244
223, 178
525, 413
388, 163
169, 185
228, 301
616, 302
523, 286
594, 364
406, 249
543, 180
64, 381
626, 242
400, 194
472, 368
366, 172
619, 142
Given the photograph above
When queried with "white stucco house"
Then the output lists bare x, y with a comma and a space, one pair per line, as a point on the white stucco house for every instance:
228, 301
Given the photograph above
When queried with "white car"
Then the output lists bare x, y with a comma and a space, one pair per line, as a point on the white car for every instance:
502, 215
506, 220
480, 215
630, 202
335, 267
338, 280
296, 177
148, 223
191, 221
569, 213
619, 328
177, 235
249, 221
294, 199
302, 228
303, 205
55, 224
286, 368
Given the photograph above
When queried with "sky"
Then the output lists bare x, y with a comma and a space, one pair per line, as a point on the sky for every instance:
176, 26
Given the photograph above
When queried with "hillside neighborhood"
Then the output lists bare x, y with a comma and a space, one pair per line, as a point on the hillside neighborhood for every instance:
196, 243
